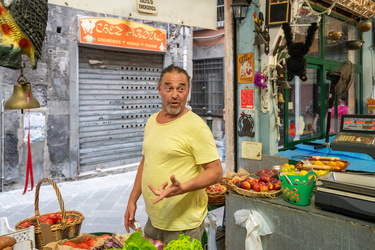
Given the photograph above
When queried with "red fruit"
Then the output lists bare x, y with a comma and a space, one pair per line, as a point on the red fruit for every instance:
260, 173
42, 218
71, 244
245, 185
83, 245
69, 219
265, 178
276, 186
266, 171
248, 179
256, 186
270, 185
253, 181
26, 224
264, 188
273, 180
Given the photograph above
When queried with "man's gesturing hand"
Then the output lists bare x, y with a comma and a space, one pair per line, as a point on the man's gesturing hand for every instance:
164, 192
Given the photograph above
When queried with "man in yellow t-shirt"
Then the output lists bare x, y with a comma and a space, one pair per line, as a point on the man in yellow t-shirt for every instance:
179, 146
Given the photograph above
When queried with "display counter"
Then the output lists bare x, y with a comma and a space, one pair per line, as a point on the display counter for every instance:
297, 227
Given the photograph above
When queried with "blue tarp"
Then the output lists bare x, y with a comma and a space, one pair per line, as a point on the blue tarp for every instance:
358, 161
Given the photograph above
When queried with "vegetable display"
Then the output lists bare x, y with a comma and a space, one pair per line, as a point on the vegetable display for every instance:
184, 242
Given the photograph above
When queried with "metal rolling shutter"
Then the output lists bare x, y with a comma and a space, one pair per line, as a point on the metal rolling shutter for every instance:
117, 94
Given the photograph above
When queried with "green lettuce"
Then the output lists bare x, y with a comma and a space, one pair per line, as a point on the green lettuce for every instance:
184, 243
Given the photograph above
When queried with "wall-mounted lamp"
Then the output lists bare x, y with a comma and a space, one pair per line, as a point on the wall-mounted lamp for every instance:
240, 8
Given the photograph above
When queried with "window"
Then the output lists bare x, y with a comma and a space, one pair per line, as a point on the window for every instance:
220, 13
304, 114
208, 86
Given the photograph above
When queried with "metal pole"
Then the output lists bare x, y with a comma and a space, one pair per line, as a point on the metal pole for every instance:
209, 119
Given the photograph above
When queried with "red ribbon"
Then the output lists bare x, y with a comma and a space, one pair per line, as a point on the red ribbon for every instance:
29, 164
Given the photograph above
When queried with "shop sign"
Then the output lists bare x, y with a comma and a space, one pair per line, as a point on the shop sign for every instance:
245, 68
146, 6
121, 33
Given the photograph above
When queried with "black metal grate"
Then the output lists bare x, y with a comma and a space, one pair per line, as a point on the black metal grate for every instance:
208, 86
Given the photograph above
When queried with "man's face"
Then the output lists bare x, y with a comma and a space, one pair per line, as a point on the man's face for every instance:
174, 91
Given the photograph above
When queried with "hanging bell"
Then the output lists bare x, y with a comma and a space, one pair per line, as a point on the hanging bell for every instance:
280, 97
285, 85
22, 97
259, 40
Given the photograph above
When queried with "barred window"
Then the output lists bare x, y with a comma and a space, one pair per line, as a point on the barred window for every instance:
208, 86
220, 13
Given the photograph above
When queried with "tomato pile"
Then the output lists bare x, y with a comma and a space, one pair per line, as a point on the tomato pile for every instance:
50, 218
87, 242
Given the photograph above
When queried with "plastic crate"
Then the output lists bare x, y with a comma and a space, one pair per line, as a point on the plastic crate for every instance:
24, 237
4, 226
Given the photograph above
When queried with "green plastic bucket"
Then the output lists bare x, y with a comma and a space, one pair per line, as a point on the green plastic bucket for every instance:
300, 191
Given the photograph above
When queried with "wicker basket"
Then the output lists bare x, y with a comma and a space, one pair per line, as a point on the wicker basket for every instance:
217, 198
252, 193
59, 231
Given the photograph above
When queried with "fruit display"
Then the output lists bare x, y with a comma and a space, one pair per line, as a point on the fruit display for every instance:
216, 188
107, 241
265, 183
323, 163
216, 194
289, 169
50, 218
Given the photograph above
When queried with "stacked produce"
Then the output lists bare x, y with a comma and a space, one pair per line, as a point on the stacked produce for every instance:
265, 180
132, 241
289, 169
50, 218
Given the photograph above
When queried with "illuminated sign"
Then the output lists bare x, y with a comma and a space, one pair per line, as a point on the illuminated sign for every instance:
121, 33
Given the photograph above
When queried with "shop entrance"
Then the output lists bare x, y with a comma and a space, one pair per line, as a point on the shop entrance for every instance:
117, 94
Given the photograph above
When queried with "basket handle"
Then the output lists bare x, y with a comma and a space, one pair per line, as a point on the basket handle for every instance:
59, 198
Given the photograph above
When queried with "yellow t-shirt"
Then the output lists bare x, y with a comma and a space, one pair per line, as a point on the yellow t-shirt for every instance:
178, 147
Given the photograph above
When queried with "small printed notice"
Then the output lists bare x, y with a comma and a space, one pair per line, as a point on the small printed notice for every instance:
247, 98
251, 150
146, 6
245, 68
37, 121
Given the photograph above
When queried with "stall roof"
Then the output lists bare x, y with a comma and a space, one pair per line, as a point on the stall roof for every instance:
196, 13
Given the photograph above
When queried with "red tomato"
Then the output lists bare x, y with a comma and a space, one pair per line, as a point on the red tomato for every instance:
83, 245
87, 238
26, 224
104, 236
91, 242
59, 217
69, 219
48, 221
42, 218
69, 243
53, 216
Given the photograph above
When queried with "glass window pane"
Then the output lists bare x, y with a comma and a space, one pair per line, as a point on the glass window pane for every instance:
337, 34
304, 107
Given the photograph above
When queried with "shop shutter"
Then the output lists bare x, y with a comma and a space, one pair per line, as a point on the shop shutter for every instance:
117, 94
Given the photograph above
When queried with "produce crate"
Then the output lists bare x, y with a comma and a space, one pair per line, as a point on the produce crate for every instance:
23, 236
63, 230
328, 163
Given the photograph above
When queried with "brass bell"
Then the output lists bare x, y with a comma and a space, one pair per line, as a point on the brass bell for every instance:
22, 97
280, 97
285, 85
